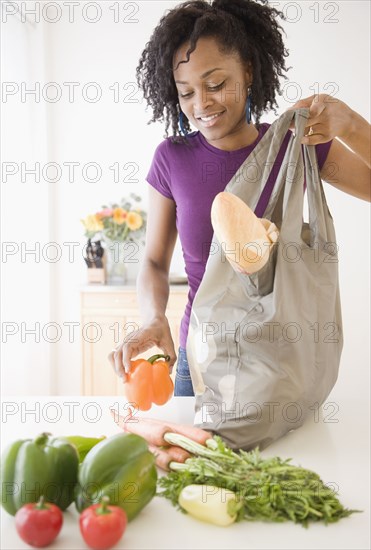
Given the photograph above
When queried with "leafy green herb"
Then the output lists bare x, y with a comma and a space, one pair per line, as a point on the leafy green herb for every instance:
271, 489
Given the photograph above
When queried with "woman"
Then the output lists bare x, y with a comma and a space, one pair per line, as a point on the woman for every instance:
214, 65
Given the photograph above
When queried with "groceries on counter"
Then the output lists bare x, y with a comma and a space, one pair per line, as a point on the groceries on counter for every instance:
102, 525
209, 503
41, 477
119, 466
204, 477
269, 489
39, 523
45, 466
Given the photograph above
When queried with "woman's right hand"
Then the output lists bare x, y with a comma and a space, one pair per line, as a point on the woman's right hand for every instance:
154, 333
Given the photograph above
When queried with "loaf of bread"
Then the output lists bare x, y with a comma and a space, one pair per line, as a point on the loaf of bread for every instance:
246, 240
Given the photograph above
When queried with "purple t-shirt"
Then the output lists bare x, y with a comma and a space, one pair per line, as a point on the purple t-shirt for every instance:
192, 176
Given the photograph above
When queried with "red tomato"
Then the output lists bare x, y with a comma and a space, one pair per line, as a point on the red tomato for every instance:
102, 526
38, 524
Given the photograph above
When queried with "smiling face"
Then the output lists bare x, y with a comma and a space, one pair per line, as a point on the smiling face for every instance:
212, 90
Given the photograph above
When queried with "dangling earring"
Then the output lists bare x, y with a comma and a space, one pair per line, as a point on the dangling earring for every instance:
181, 124
248, 106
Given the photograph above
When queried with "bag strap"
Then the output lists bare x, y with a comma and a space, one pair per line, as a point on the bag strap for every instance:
257, 176
322, 229
300, 166
251, 181
291, 175
264, 199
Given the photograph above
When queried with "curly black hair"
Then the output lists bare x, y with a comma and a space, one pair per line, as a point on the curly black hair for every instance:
242, 26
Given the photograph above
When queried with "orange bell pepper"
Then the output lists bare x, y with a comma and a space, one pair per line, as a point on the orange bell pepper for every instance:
149, 382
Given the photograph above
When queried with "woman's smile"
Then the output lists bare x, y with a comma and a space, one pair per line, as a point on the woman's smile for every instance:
209, 120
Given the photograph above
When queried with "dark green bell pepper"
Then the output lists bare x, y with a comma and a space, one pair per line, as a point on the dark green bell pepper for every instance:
122, 468
43, 466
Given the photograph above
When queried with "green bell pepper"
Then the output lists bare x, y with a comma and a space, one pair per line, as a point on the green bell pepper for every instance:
122, 468
83, 444
43, 466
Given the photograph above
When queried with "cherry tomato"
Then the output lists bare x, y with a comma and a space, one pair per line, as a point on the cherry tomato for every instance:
39, 523
101, 525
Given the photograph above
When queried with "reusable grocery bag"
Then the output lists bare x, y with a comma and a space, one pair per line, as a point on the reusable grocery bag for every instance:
264, 349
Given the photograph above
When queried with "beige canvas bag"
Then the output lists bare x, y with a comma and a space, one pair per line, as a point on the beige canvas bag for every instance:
264, 350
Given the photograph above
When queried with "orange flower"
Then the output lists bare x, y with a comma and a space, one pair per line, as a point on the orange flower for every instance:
119, 215
134, 221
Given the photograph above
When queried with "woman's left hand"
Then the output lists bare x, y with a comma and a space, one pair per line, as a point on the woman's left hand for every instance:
328, 117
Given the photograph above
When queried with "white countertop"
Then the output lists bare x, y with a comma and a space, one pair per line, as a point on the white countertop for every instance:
336, 447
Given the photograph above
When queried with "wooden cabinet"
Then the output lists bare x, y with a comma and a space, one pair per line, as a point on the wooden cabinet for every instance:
108, 314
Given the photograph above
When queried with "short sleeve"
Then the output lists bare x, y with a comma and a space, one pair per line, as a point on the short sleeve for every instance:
159, 171
322, 150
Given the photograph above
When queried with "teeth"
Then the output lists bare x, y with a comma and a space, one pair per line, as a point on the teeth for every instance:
206, 119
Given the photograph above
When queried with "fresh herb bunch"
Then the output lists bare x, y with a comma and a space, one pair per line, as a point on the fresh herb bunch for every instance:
271, 489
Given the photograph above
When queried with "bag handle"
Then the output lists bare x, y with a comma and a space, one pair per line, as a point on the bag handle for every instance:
317, 203
264, 157
278, 141
252, 177
299, 160
292, 175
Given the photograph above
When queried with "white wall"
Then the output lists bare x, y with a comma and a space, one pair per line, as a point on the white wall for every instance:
25, 218
332, 52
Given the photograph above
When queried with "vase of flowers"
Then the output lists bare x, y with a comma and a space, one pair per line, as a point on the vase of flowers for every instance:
121, 227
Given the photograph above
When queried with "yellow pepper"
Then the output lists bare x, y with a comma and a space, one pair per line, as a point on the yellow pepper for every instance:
209, 503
